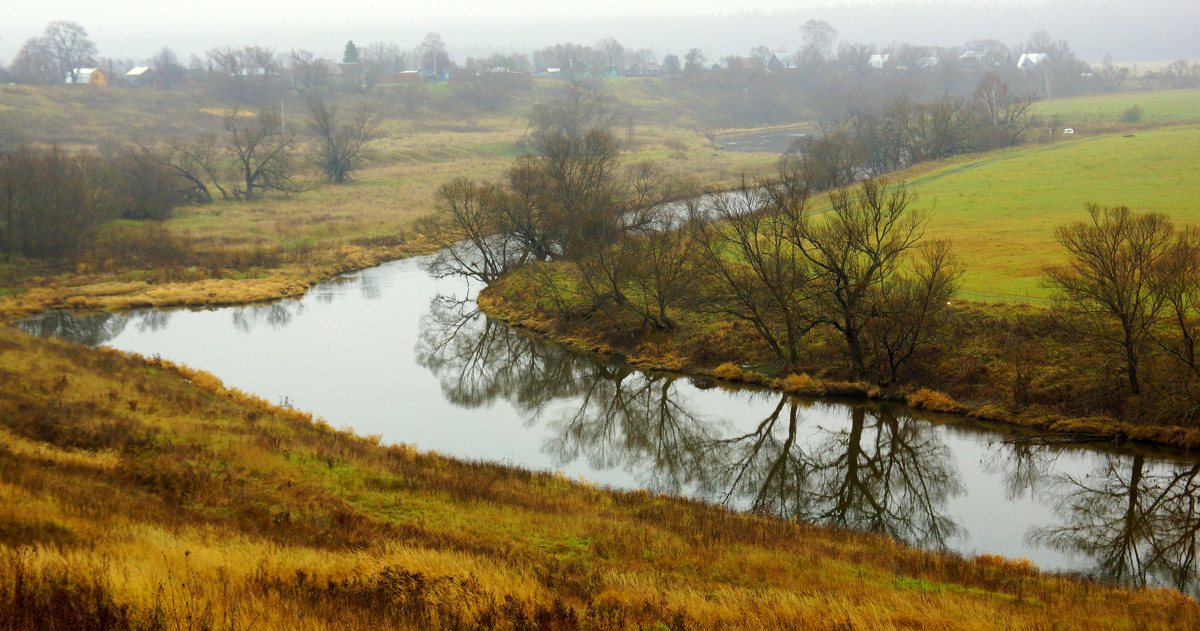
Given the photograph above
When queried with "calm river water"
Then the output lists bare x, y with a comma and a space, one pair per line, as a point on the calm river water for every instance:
393, 351
769, 141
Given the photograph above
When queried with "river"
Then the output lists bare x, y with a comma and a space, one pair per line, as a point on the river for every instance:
767, 141
393, 351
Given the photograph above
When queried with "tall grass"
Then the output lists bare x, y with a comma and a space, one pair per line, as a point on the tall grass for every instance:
152, 496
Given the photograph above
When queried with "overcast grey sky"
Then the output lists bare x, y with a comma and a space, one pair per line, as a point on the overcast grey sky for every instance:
1147, 30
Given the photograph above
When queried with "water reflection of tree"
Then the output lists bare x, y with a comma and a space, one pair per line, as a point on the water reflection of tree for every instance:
479, 360
152, 321
638, 422
92, 329
1137, 523
881, 472
276, 315
1023, 465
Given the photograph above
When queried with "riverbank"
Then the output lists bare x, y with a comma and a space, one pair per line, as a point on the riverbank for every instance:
153, 492
996, 362
291, 278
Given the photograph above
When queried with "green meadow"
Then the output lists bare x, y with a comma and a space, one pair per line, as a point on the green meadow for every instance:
1001, 208
1162, 107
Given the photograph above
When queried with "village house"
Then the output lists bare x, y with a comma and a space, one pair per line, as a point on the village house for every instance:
978, 58
1031, 61
774, 65
881, 61
404, 76
140, 76
644, 69
94, 77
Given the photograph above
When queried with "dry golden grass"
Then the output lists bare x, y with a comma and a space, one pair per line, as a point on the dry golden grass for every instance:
277, 246
153, 492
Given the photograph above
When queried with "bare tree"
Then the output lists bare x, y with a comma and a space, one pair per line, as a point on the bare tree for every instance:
261, 152
140, 185
857, 253
661, 268
168, 72
818, 37
380, 60
433, 56
249, 73
35, 63
1107, 285
580, 110
855, 58
341, 141
749, 265
1001, 114
1177, 287
693, 63
612, 51
197, 161
670, 65
486, 83
910, 308
310, 74
829, 161
475, 231
69, 43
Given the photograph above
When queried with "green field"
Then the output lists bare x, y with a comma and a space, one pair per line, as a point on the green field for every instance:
1163, 107
1001, 209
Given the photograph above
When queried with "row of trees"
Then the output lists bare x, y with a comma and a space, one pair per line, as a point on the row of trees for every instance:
631, 244
257, 153
905, 132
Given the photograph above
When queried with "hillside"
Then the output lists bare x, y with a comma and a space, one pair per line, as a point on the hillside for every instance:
147, 495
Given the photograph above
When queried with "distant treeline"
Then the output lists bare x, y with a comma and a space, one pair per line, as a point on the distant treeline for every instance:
826, 80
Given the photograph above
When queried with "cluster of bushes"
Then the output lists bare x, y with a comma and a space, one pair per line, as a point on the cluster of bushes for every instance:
52, 203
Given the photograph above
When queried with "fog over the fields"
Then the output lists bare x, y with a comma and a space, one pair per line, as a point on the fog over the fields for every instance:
1131, 30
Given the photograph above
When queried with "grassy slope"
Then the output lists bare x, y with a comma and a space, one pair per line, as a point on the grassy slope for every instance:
156, 487
1164, 107
1001, 209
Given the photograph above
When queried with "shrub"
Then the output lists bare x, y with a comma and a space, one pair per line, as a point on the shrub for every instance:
932, 400
1020, 566
803, 384
138, 184
143, 246
1132, 115
729, 371
46, 203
